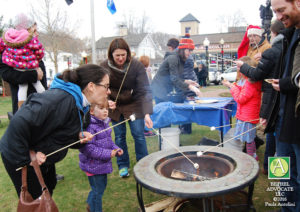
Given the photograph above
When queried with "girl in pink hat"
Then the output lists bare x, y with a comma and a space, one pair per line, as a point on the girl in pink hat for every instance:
21, 49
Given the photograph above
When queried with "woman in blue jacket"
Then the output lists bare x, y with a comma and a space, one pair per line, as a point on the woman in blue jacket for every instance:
49, 121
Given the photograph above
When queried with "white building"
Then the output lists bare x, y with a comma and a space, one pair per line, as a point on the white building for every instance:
140, 44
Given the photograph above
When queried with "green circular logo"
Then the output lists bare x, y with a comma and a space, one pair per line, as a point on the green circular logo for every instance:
279, 167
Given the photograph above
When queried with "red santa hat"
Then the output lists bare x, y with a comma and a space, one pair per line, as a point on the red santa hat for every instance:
251, 30
186, 42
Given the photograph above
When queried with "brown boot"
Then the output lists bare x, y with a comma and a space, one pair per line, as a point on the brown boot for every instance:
20, 104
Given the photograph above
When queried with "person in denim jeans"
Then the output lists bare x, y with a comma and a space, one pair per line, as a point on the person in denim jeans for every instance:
283, 114
131, 93
137, 131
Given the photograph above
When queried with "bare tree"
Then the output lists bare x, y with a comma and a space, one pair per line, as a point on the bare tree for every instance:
136, 24
161, 40
234, 20
56, 30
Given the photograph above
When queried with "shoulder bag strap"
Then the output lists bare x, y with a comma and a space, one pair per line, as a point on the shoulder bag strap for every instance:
37, 169
24, 177
123, 81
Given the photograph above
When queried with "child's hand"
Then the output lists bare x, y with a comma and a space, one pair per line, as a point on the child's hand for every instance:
119, 152
226, 83
85, 137
238, 63
116, 152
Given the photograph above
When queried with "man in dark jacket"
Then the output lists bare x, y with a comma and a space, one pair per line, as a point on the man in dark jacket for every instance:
283, 117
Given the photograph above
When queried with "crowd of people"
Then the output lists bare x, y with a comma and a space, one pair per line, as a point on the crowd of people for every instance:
82, 102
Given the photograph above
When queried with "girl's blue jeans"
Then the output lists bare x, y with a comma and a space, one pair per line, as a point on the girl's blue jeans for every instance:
98, 184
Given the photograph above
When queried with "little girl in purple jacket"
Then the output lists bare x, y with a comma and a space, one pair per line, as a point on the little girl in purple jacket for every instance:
95, 156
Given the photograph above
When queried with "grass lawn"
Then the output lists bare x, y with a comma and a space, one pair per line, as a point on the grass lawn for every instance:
71, 193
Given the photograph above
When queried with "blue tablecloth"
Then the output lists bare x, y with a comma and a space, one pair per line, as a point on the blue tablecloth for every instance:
166, 113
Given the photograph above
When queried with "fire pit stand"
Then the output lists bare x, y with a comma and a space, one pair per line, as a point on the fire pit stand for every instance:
234, 171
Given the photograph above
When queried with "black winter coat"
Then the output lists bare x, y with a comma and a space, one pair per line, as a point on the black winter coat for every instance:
14, 78
46, 122
267, 68
289, 131
168, 76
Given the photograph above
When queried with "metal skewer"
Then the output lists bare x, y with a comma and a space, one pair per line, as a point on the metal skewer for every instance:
196, 165
214, 128
209, 149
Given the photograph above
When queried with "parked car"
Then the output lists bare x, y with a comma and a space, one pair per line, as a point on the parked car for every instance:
1, 90
229, 74
214, 76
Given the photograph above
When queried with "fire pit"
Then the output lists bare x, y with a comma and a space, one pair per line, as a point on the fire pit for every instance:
220, 171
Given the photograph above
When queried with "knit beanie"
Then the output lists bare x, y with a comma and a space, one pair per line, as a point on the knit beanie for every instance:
23, 22
244, 45
186, 42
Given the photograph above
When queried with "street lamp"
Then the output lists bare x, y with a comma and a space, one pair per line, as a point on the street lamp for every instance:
84, 57
222, 52
206, 44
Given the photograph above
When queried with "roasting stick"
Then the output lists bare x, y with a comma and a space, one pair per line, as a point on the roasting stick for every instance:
214, 128
132, 118
220, 108
196, 165
209, 149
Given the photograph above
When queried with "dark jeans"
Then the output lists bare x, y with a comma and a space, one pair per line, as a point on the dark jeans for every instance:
34, 186
292, 151
270, 148
137, 132
98, 184
202, 81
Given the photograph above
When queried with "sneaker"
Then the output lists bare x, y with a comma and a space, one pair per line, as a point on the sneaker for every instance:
149, 134
124, 172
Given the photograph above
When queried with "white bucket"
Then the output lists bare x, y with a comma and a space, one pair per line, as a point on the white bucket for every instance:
172, 136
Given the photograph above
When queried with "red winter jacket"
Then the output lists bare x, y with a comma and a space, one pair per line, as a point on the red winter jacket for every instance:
248, 98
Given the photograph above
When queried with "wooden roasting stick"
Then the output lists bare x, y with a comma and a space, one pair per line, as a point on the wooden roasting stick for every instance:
131, 118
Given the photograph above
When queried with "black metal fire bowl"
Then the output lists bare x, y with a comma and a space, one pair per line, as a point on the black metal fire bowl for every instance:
235, 170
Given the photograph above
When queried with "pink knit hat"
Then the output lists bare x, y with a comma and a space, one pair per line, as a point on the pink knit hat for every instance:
23, 22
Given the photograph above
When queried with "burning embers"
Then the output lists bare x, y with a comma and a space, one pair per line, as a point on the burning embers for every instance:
211, 166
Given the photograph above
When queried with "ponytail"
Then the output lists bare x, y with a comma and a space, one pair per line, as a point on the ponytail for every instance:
84, 74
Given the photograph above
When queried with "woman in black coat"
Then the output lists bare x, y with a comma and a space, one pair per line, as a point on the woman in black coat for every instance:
202, 74
49, 121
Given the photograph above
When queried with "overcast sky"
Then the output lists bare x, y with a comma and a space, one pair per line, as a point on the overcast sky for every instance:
164, 15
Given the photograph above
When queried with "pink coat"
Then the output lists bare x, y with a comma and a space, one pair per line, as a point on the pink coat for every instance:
248, 98
20, 50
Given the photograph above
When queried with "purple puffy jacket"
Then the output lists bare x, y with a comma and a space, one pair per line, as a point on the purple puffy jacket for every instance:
95, 156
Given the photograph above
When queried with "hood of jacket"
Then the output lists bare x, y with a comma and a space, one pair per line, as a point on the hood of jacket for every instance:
72, 89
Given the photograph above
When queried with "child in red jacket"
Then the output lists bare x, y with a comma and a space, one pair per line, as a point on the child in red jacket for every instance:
247, 94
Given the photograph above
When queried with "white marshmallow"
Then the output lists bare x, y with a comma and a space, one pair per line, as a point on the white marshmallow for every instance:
132, 117
199, 154
212, 128
196, 165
